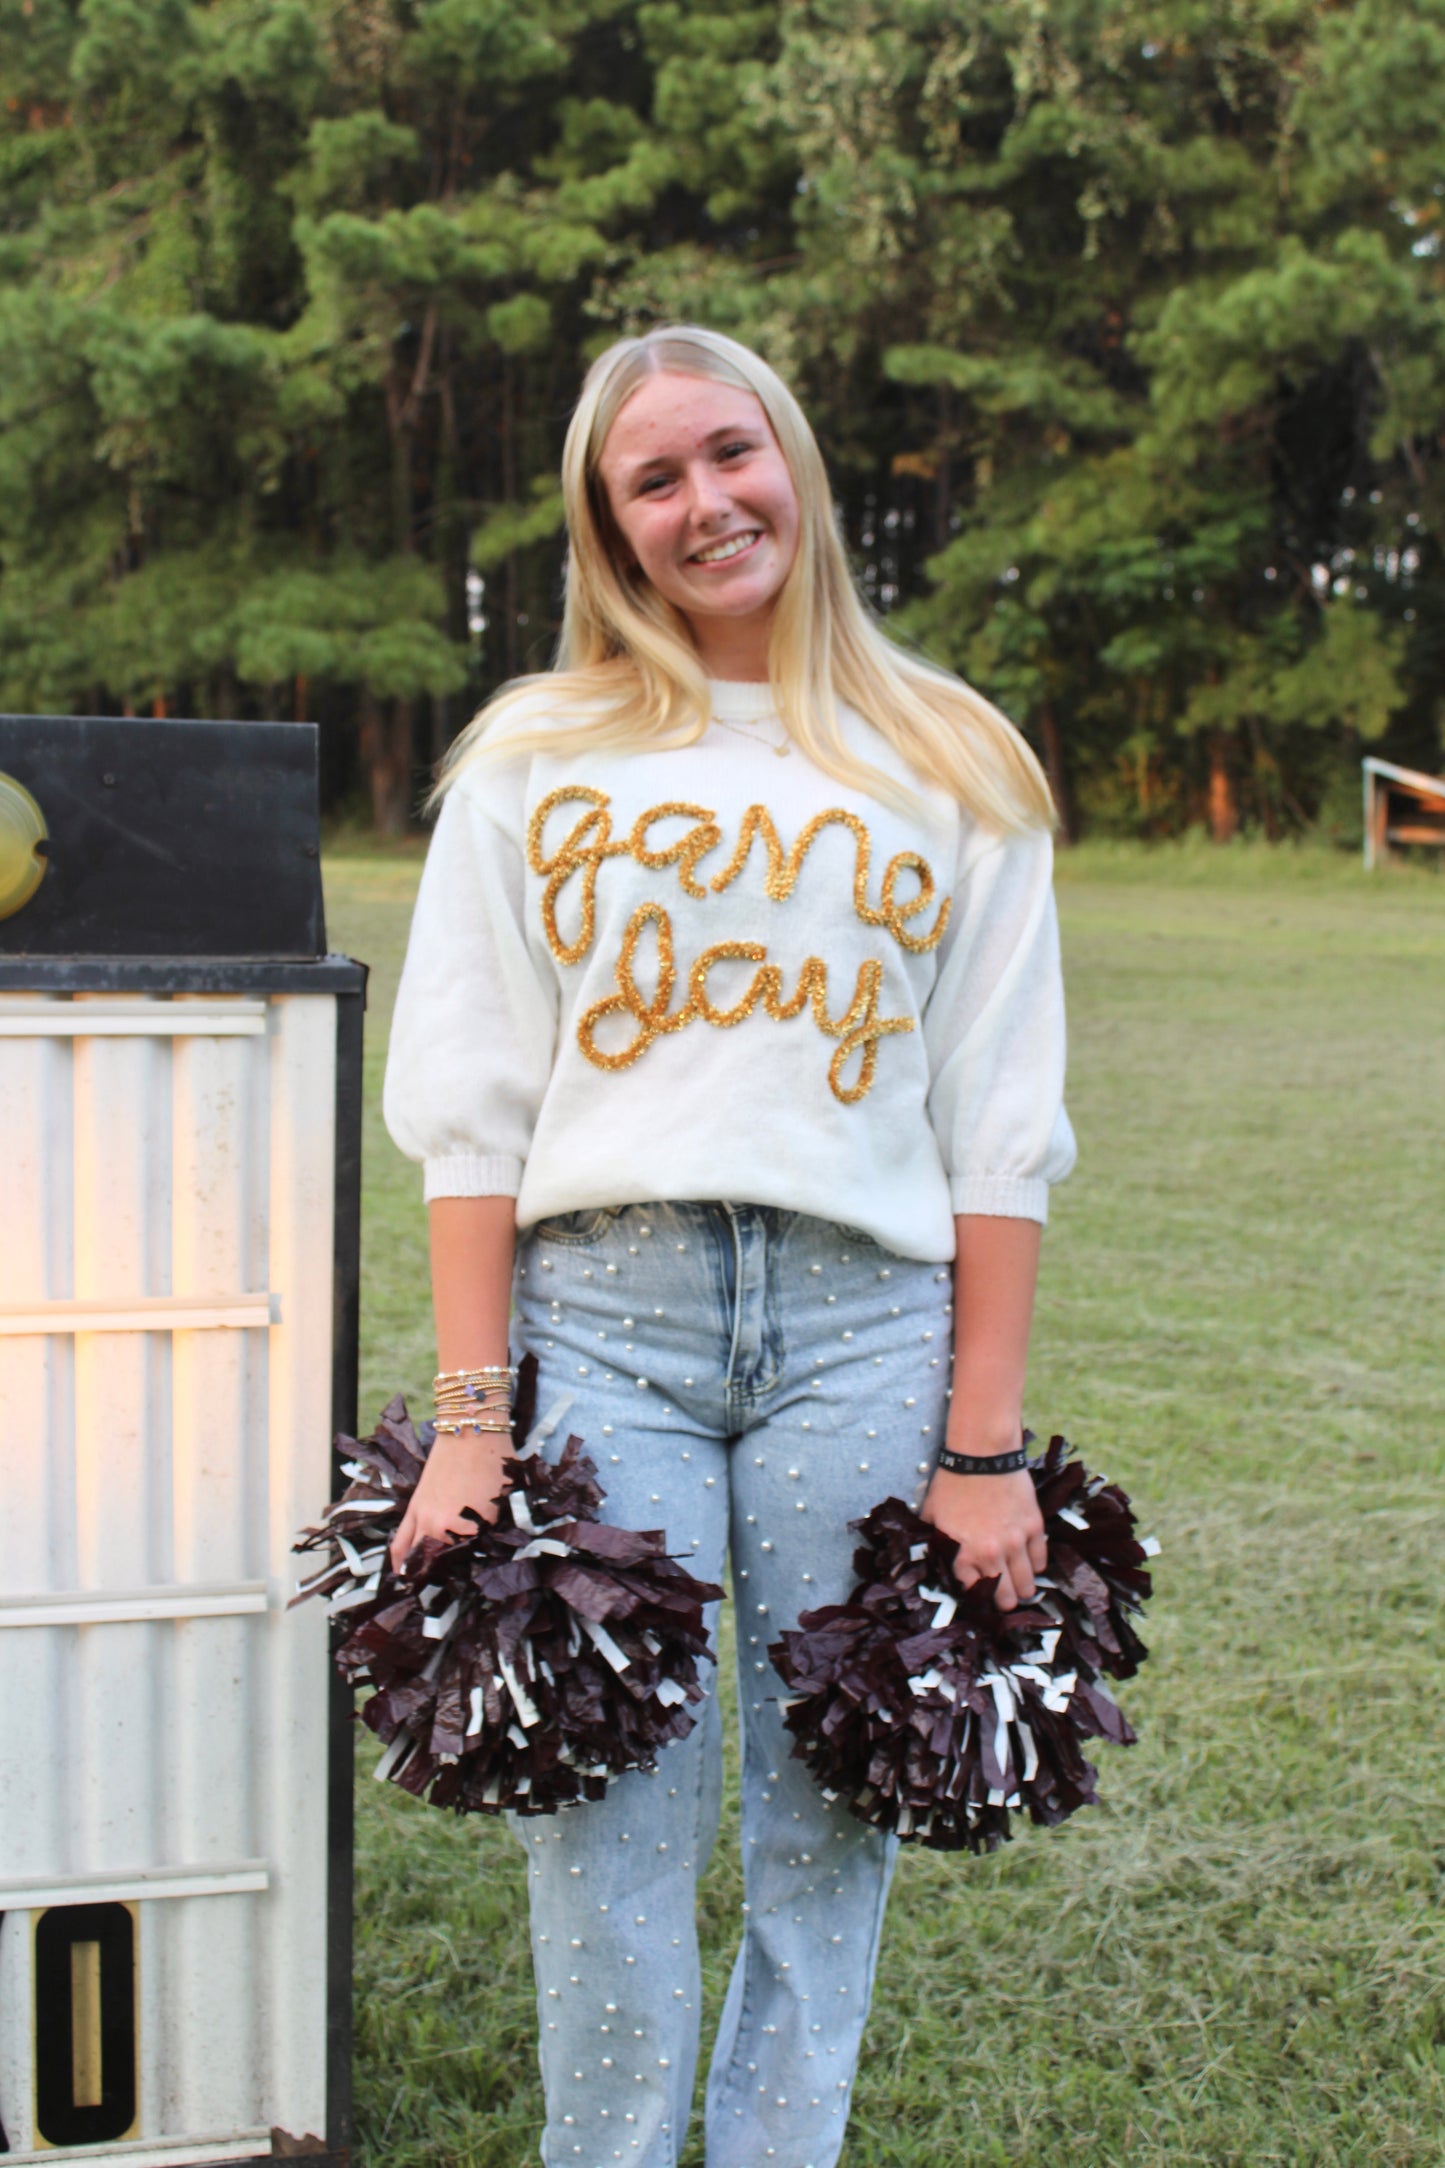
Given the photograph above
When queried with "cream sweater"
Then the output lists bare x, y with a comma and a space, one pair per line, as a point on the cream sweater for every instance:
717, 973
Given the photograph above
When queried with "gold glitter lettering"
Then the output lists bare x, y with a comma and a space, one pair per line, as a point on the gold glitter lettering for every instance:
860, 1025
704, 836
758, 821
579, 850
590, 842
651, 1016
896, 914
784, 868
746, 952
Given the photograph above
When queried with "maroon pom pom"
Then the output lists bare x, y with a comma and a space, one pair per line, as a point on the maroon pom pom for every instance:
933, 1712
522, 1667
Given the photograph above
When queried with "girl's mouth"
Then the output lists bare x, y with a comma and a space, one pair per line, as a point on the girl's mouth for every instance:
729, 550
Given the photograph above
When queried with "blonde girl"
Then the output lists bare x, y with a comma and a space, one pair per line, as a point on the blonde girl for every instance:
731, 1040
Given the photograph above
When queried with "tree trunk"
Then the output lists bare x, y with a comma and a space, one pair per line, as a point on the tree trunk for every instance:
1054, 769
509, 490
386, 755
943, 477
1223, 798
441, 726
403, 410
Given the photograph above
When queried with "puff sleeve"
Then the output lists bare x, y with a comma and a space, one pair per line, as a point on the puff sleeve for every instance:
994, 1032
475, 1026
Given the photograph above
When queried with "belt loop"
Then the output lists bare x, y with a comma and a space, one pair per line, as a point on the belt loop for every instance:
735, 1230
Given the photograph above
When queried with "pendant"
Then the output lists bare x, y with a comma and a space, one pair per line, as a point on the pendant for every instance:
755, 737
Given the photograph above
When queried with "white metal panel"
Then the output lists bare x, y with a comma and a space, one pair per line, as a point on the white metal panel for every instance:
145, 2153
293, 1762
122, 1247
128, 1016
121, 1672
137, 1313
37, 1524
94, 1607
118, 1888
165, 1302
211, 2065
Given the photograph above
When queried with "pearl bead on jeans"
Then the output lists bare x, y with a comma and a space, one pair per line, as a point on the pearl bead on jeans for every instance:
750, 1380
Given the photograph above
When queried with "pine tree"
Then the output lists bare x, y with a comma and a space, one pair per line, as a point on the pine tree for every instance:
1120, 326
1185, 316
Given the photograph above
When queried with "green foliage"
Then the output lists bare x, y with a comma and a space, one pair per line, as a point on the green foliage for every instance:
1123, 328
509, 527
368, 622
350, 157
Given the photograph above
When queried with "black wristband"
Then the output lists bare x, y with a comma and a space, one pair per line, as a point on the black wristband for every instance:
992, 1464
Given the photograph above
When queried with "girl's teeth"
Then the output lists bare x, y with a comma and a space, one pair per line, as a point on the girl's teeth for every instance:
727, 549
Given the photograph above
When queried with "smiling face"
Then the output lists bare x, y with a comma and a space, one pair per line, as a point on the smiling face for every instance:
702, 498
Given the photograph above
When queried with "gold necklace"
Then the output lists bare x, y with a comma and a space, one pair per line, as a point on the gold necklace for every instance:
744, 730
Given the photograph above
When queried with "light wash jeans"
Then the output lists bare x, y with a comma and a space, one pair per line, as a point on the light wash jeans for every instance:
750, 1380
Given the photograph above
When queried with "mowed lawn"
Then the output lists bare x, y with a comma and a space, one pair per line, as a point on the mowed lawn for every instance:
1239, 1958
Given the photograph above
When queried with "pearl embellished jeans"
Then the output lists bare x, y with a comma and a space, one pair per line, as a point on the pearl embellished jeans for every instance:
751, 1380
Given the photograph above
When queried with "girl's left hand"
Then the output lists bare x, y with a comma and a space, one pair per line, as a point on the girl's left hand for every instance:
996, 1523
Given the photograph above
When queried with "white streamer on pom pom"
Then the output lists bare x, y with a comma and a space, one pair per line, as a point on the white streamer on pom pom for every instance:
526, 1708
604, 1644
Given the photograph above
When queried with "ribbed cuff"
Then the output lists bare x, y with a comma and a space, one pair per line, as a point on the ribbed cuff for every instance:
472, 1174
1000, 1196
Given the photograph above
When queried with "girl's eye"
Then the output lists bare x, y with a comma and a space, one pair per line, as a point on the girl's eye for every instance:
729, 449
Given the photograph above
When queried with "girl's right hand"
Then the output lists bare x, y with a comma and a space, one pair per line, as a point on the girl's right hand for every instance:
463, 1474
996, 1523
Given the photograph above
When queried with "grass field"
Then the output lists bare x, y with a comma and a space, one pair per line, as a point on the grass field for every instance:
1239, 1959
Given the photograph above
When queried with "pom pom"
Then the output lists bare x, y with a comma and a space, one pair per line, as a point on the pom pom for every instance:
522, 1667
933, 1712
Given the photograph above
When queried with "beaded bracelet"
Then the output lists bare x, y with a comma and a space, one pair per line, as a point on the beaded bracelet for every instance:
485, 1377
477, 1399
452, 1398
986, 1464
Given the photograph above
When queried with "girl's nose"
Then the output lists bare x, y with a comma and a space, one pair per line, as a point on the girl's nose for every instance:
709, 496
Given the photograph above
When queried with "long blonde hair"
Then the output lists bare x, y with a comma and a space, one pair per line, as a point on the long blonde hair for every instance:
628, 674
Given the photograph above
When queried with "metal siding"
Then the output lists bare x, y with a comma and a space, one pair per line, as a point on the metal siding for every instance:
217, 1201
36, 1526
122, 1247
196, 1166
293, 1763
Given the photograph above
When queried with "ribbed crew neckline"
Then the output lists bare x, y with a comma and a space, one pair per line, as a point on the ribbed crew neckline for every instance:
740, 700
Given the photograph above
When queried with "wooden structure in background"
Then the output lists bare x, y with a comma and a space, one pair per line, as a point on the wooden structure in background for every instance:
1401, 806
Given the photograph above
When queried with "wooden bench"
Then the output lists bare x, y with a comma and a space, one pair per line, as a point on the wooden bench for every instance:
1402, 806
